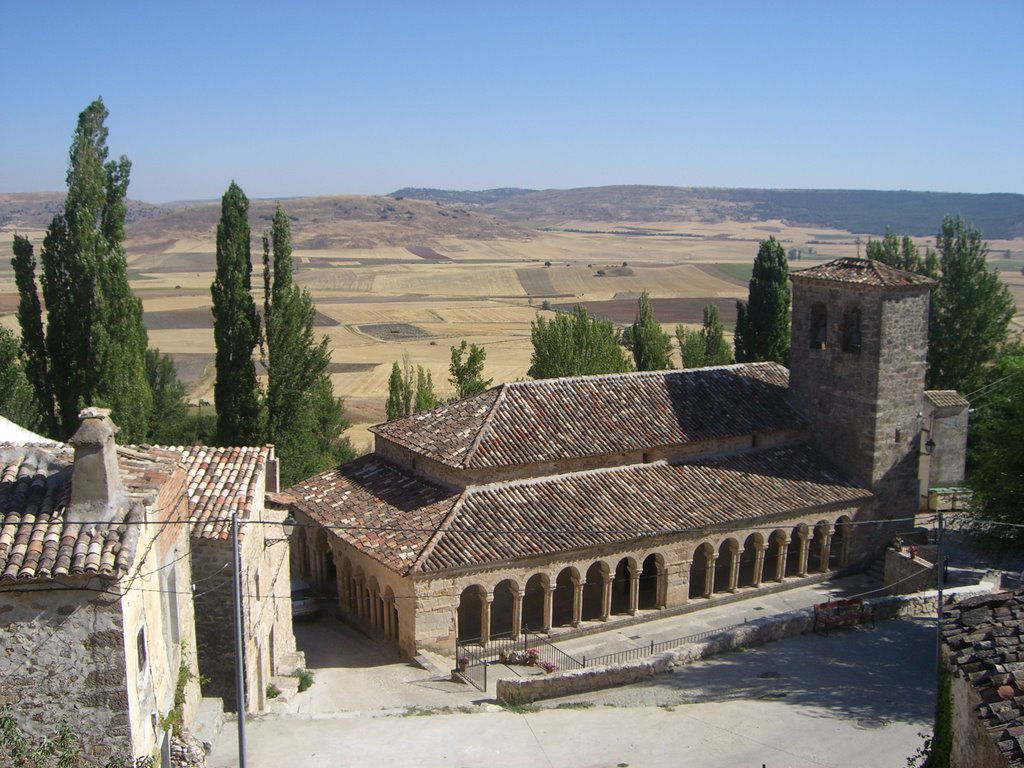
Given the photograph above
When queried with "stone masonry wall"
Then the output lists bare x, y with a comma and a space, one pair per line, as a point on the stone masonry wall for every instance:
62, 655
213, 572
754, 633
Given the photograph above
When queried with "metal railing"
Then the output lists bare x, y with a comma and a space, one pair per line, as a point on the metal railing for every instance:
643, 651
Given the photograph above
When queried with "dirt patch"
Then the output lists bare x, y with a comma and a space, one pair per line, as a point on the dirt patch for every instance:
350, 367
429, 254
202, 317
8, 303
536, 282
623, 311
394, 331
721, 274
191, 365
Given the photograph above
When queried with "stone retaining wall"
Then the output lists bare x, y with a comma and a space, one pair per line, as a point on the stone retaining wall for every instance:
757, 632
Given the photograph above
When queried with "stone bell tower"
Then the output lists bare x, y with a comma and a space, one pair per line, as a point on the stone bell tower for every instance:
859, 344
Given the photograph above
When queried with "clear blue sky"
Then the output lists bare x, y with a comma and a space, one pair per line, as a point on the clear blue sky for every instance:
304, 98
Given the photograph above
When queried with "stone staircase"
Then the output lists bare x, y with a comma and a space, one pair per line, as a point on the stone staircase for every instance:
435, 663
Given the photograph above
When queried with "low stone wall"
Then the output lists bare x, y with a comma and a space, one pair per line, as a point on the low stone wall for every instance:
757, 632
905, 574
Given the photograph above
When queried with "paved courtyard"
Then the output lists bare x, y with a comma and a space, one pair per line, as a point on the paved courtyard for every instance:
860, 697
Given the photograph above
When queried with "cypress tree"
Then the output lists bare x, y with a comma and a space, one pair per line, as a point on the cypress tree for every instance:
235, 326
762, 323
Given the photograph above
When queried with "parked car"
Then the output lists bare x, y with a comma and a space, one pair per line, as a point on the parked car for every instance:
304, 600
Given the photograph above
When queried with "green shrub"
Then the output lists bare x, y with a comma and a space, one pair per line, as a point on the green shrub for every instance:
305, 679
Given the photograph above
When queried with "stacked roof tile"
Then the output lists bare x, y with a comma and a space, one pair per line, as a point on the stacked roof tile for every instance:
221, 482
863, 272
409, 524
525, 422
984, 636
36, 542
946, 398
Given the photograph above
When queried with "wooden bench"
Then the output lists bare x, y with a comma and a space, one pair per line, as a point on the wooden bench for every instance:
841, 613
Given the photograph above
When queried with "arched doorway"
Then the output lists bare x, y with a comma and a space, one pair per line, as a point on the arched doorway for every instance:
703, 556
796, 539
593, 592
749, 575
650, 583
563, 598
723, 567
502, 607
837, 556
622, 584
533, 602
471, 604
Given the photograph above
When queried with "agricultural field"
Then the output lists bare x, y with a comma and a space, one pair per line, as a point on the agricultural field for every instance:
398, 290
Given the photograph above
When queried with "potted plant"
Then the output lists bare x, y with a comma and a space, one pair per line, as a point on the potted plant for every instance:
462, 664
549, 666
532, 655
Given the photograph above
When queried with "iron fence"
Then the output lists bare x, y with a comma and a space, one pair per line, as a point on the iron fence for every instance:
643, 651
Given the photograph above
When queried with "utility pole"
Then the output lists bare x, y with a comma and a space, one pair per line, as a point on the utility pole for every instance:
239, 658
940, 566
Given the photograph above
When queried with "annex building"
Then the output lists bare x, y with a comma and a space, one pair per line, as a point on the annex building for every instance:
554, 503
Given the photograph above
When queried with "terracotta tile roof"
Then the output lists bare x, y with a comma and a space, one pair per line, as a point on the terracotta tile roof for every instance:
984, 637
386, 512
946, 398
524, 422
35, 489
427, 528
221, 482
863, 272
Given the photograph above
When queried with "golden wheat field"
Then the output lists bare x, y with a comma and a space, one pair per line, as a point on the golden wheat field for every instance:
379, 304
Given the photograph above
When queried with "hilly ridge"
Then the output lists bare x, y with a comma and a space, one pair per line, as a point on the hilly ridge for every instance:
999, 215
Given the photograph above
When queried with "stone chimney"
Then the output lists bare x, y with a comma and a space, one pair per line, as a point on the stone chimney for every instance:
96, 490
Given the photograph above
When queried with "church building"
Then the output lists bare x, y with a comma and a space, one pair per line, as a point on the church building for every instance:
558, 503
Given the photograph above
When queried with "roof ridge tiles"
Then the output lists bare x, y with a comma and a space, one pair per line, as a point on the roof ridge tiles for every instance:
488, 421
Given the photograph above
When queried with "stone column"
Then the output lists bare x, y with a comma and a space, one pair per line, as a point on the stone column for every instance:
606, 596
634, 592
485, 618
517, 614
387, 619
805, 547
684, 581
709, 576
844, 552
758, 564
577, 602
734, 569
780, 566
826, 548
549, 594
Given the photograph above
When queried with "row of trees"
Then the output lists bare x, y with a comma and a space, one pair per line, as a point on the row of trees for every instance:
412, 390
93, 349
299, 412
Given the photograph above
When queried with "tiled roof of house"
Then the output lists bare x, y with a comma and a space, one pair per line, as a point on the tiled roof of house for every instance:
221, 482
863, 272
409, 524
36, 542
526, 422
946, 398
984, 636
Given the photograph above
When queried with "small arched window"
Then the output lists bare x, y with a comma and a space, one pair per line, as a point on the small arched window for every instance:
819, 325
851, 330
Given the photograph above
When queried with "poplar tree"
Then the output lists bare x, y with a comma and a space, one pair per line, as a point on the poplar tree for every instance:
304, 419
33, 339
650, 345
762, 323
706, 346
235, 326
575, 345
971, 308
17, 401
467, 376
95, 342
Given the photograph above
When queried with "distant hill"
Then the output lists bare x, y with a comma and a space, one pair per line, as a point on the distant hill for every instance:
463, 197
35, 210
999, 216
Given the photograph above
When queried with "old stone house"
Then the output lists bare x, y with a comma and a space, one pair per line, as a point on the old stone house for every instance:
96, 624
983, 644
235, 481
558, 503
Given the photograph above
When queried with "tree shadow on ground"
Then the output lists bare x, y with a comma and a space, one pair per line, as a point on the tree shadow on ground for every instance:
870, 675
